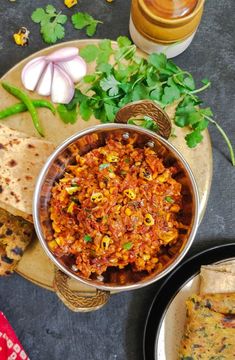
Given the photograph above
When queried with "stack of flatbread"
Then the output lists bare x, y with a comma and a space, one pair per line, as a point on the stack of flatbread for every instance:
210, 325
21, 159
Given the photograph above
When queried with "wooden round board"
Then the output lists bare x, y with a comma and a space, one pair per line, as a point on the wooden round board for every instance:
35, 265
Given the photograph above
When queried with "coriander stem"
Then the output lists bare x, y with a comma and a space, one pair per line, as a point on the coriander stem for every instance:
138, 80
201, 88
222, 132
129, 50
57, 16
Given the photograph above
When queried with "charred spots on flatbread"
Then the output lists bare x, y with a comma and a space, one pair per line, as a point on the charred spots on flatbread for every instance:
1, 189
12, 163
27, 177
15, 196
2, 146
30, 146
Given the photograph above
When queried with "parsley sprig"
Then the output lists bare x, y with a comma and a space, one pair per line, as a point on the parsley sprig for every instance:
132, 78
51, 23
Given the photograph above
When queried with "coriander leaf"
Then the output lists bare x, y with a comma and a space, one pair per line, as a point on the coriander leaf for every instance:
110, 112
104, 68
194, 138
85, 110
82, 20
206, 112
100, 114
50, 9
158, 60
91, 29
170, 94
125, 100
194, 117
89, 78
89, 53
201, 125
189, 83
106, 45
66, 115
205, 81
38, 15
110, 84
61, 19
181, 120
105, 50
123, 41
170, 66
156, 94
51, 23
169, 199
140, 92
152, 79
127, 246
87, 238
103, 57
77, 99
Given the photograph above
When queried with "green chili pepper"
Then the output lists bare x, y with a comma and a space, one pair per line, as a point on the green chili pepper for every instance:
21, 95
21, 107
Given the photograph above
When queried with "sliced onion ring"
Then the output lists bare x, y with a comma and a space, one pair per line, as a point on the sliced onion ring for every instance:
75, 68
32, 72
64, 54
62, 89
45, 81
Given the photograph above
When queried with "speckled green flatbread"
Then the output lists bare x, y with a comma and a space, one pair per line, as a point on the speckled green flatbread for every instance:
210, 328
15, 235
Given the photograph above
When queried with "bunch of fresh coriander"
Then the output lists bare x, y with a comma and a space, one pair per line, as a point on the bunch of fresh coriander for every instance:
122, 77
52, 23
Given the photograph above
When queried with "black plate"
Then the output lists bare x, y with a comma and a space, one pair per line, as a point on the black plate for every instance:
172, 286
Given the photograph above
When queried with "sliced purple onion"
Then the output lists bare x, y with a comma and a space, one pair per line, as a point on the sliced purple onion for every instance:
32, 72
62, 89
75, 68
45, 82
64, 54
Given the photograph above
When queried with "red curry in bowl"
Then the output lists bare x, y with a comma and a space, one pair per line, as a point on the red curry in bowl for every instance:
115, 207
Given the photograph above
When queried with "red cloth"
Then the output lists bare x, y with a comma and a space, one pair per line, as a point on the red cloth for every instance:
10, 347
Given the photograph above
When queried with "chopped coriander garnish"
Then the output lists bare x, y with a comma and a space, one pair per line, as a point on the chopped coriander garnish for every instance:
169, 199
103, 166
127, 246
87, 238
127, 160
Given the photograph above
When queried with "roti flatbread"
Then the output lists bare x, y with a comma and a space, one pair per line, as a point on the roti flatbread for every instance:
21, 159
218, 278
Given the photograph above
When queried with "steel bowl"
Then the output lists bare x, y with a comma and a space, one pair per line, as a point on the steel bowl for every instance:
86, 141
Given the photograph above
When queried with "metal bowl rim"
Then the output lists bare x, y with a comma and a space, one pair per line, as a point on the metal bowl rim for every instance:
36, 199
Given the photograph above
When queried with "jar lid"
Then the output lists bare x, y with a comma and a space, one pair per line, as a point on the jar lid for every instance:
171, 9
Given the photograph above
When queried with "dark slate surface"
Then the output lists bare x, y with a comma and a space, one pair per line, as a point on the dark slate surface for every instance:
45, 327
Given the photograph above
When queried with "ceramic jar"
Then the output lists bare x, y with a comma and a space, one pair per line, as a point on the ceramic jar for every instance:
165, 26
